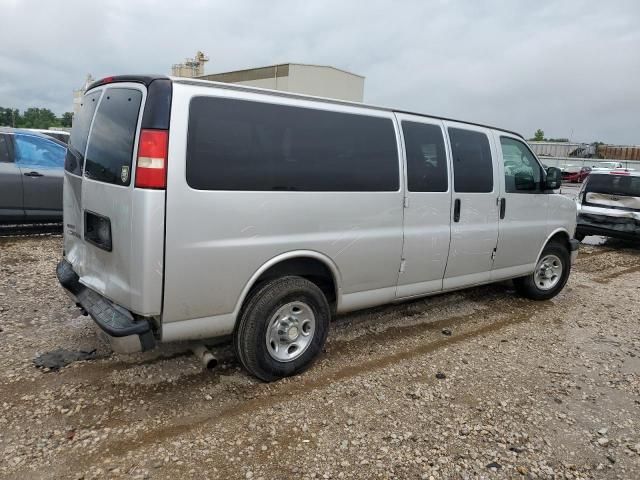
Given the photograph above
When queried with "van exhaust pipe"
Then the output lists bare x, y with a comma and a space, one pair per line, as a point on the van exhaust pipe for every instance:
204, 355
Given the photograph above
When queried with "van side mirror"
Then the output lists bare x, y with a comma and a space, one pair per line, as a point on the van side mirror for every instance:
554, 178
524, 181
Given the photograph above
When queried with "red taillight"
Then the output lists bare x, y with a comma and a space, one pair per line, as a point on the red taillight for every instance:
151, 167
620, 172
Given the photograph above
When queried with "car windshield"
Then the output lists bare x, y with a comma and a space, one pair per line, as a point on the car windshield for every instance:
607, 165
624, 185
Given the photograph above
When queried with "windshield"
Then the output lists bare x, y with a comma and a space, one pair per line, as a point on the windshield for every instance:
623, 185
608, 165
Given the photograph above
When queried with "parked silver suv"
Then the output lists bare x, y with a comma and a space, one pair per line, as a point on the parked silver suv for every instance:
609, 204
195, 209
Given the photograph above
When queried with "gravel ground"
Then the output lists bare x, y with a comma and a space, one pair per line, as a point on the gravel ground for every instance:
475, 384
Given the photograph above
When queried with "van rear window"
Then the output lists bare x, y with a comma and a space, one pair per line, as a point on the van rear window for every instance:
243, 145
110, 150
74, 160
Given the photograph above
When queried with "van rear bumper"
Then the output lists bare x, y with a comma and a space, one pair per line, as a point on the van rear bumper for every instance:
125, 333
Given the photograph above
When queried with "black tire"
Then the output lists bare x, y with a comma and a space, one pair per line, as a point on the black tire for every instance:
527, 286
250, 336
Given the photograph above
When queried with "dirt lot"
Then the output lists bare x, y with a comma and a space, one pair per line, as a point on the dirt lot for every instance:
517, 390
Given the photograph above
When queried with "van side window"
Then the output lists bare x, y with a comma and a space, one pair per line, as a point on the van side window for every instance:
472, 164
522, 172
426, 157
243, 145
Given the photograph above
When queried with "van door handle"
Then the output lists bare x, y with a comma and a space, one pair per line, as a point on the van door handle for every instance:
456, 210
33, 174
503, 207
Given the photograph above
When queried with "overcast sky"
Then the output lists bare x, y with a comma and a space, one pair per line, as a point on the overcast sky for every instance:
571, 68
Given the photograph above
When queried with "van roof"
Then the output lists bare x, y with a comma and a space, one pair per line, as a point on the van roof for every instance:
147, 79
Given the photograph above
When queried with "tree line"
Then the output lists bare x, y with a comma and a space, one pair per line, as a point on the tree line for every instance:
538, 136
33, 118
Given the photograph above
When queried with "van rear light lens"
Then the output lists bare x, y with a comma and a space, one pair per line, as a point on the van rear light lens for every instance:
151, 167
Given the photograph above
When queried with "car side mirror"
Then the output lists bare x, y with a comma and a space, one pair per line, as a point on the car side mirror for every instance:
524, 181
554, 178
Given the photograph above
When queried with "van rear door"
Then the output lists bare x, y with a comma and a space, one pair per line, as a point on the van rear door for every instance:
114, 232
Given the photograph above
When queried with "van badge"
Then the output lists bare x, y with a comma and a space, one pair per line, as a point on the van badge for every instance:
124, 174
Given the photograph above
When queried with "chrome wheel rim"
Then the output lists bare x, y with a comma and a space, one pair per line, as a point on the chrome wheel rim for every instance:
290, 331
548, 272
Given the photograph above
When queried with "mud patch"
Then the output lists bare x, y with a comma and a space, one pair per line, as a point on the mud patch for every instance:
60, 358
613, 275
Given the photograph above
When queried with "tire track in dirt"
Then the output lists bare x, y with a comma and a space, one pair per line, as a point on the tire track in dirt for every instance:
290, 390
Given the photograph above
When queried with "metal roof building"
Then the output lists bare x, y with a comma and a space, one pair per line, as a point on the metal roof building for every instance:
317, 80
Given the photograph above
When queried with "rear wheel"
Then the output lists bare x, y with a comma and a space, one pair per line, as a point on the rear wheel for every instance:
550, 275
282, 328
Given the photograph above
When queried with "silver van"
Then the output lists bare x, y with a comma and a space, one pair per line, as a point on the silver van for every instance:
195, 209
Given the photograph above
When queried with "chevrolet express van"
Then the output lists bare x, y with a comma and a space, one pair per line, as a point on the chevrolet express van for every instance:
195, 209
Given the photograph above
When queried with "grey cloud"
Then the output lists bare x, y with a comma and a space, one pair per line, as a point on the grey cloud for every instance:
571, 68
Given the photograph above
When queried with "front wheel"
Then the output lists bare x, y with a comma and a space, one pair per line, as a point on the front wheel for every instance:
550, 275
282, 328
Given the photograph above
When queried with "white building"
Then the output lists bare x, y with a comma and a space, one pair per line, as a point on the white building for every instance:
78, 94
191, 67
318, 80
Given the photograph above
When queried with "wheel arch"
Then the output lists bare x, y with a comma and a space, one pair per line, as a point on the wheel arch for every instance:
560, 235
310, 264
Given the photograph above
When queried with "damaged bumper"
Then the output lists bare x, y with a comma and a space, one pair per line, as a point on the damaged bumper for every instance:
619, 224
125, 333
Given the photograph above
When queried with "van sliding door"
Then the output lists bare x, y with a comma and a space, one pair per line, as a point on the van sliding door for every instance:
474, 215
427, 225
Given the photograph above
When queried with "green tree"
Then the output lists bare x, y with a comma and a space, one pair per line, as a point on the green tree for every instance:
539, 135
66, 119
9, 117
38, 118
